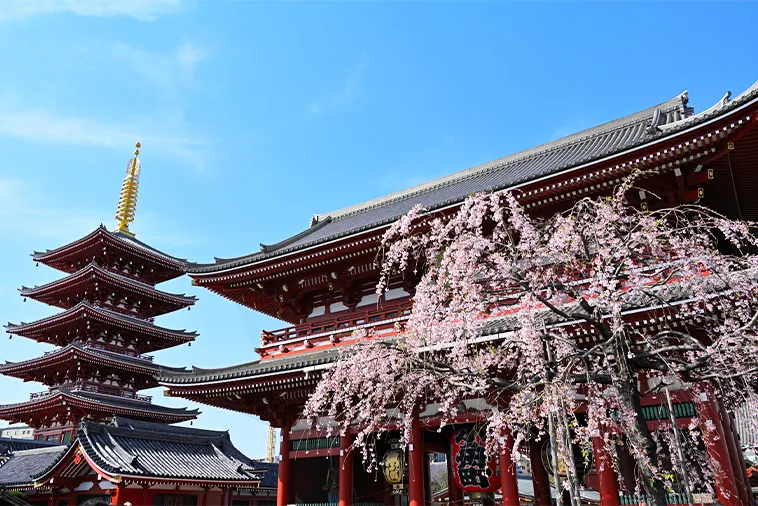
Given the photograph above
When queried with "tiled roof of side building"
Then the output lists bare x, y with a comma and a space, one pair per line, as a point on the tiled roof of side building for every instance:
250, 369
134, 449
271, 473
24, 465
13, 444
547, 159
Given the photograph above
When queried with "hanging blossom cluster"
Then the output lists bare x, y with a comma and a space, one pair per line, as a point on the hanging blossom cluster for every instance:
540, 318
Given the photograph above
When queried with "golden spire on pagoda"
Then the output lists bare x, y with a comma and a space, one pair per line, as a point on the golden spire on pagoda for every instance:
127, 202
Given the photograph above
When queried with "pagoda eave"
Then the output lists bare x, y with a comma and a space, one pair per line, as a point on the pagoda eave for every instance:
69, 258
94, 282
84, 362
88, 323
70, 407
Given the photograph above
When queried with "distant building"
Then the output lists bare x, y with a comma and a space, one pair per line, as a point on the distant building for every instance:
17, 432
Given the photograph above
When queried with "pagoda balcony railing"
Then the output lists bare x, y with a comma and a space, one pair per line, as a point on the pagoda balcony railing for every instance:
84, 387
126, 353
376, 319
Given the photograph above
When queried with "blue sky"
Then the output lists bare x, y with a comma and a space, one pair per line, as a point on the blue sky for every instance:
253, 116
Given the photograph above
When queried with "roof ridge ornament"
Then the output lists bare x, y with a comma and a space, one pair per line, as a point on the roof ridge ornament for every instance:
127, 202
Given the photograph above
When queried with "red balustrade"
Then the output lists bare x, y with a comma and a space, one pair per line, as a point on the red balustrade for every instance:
377, 318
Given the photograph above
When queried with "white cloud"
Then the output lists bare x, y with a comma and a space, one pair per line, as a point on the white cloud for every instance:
167, 71
145, 10
349, 92
27, 210
46, 127
23, 212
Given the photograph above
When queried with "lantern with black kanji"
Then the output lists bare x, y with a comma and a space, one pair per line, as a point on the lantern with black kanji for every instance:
473, 469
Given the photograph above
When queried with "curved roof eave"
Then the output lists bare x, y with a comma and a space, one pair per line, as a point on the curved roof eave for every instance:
643, 118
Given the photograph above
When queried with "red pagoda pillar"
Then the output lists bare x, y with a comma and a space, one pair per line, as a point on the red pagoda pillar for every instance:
283, 483
609, 490
416, 465
508, 479
715, 444
540, 479
346, 470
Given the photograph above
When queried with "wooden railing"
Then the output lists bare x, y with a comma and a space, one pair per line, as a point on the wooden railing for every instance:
110, 349
378, 318
83, 387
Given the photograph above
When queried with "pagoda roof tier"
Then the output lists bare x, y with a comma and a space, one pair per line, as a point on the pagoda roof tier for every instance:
114, 249
585, 158
96, 283
67, 406
86, 361
85, 322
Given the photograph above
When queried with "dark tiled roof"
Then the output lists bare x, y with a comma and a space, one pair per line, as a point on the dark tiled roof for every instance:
256, 368
12, 444
547, 159
271, 473
24, 465
141, 449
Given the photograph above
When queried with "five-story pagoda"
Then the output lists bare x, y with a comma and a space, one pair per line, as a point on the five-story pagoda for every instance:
109, 300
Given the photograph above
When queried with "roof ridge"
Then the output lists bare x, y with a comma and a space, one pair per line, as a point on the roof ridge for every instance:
678, 101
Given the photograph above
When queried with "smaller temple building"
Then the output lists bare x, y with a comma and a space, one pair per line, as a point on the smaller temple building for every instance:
143, 463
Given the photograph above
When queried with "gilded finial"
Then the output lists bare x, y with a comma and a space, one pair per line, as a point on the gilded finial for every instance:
127, 202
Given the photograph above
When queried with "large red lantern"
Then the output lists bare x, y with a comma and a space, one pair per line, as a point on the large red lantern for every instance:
473, 469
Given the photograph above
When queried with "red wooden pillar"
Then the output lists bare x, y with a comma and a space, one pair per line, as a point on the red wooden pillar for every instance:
346, 470
715, 444
205, 496
731, 443
454, 492
609, 489
540, 480
508, 479
283, 483
116, 497
416, 465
